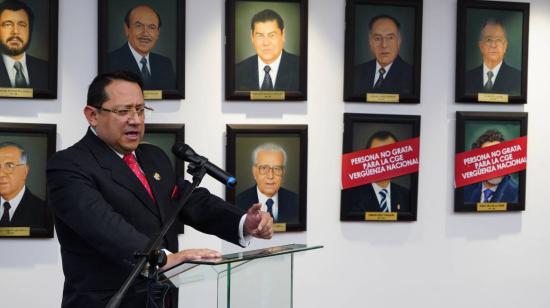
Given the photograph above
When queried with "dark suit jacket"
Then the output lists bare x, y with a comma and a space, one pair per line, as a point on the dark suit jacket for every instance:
507, 191
363, 199
103, 215
288, 75
31, 212
288, 203
162, 71
37, 70
399, 79
508, 81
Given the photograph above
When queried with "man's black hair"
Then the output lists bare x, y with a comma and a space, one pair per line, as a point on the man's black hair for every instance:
380, 135
16, 5
490, 135
267, 15
96, 91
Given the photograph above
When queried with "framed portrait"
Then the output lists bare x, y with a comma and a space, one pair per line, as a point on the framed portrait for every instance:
146, 37
28, 43
491, 52
270, 164
491, 161
380, 165
24, 151
164, 136
383, 51
266, 50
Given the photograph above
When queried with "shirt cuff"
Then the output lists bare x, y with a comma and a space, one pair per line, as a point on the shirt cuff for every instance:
244, 240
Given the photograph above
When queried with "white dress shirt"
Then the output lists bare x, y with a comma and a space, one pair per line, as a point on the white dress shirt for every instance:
9, 63
272, 73
14, 202
138, 57
494, 70
377, 190
377, 71
263, 198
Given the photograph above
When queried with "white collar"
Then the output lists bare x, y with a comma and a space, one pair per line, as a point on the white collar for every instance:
138, 56
14, 202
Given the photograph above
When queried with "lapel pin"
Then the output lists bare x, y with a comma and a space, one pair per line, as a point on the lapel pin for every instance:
157, 176
398, 206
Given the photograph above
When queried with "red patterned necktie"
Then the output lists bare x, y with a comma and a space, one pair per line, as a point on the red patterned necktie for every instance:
131, 161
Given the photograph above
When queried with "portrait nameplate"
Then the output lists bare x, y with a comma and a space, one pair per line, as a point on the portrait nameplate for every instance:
492, 206
380, 216
267, 95
382, 98
16, 92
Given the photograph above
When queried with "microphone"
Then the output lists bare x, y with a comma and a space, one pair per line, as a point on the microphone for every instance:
186, 153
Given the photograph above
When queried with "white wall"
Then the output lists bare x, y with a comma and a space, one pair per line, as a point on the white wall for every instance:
442, 260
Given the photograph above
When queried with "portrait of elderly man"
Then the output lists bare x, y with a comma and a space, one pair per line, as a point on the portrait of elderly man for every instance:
142, 25
20, 207
493, 75
272, 67
19, 69
382, 196
499, 189
269, 163
387, 72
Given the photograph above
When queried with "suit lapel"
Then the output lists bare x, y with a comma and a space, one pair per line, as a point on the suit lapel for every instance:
21, 214
130, 56
120, 172
4, 78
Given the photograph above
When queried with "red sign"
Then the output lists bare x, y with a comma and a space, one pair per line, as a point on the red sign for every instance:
493, 161
381, 163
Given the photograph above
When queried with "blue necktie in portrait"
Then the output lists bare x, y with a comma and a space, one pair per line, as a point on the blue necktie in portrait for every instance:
267, 84
6, 215
487, 195
269, 204
384, 200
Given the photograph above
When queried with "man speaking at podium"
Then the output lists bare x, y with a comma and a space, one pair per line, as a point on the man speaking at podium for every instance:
111, 195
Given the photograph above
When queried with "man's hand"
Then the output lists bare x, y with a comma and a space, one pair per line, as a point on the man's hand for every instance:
189, 254
258, 223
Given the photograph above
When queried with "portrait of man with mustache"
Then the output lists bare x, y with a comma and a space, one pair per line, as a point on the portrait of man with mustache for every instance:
142, 26
20, 70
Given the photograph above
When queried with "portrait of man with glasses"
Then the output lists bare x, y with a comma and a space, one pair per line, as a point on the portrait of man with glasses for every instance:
494, 75
268, 169
20, 207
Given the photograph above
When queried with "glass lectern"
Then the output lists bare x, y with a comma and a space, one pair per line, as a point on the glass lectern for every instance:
253, 279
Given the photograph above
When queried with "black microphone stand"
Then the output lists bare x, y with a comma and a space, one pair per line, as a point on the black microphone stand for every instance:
153, 255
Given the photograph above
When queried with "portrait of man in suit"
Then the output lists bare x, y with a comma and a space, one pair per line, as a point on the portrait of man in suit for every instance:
493, 75
19, 69
499, 189
272, 67
268, 168
382, 196
20, 207
387, 72
142, 27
